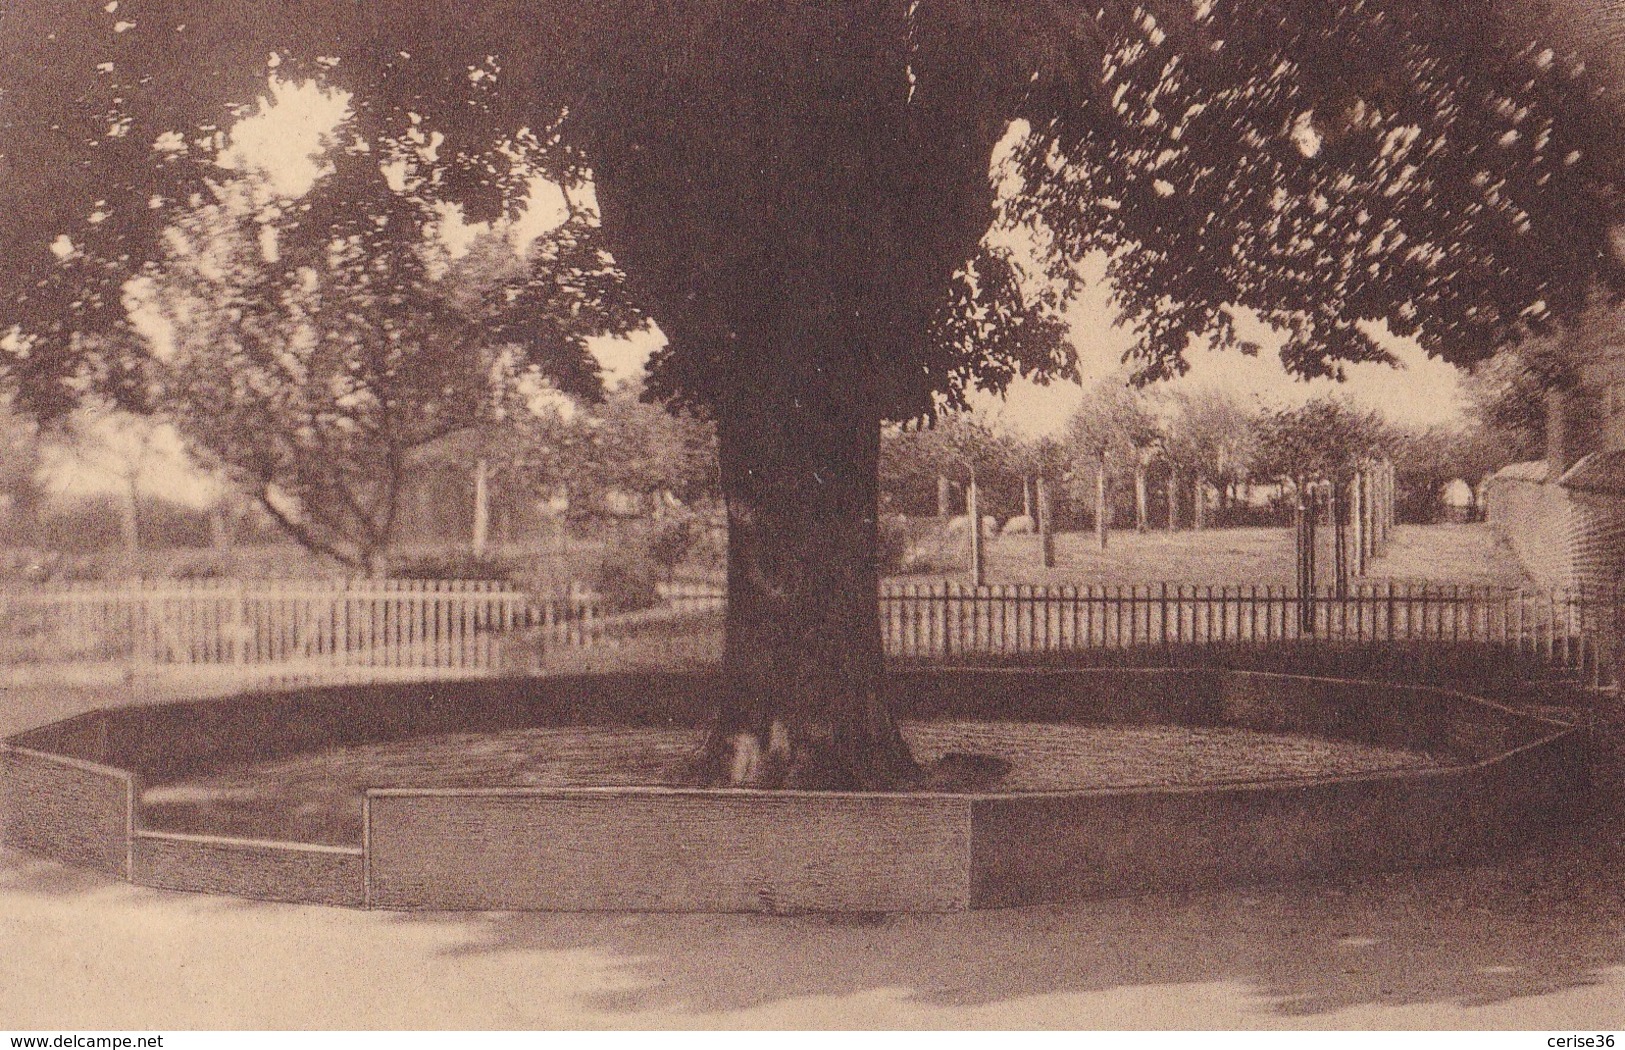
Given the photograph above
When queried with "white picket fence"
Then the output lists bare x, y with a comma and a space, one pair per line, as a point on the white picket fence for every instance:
295, 629
380, 630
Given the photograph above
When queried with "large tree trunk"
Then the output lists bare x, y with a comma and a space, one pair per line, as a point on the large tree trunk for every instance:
792, 206
801, 703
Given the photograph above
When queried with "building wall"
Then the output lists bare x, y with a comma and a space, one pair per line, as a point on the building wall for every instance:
1537, 519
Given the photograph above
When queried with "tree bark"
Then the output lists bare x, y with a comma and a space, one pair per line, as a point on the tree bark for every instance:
1046, 527
793, 212
801, 704
482, 506
1198, 499
945, 498
1173, 500
1140, 524
1102, 522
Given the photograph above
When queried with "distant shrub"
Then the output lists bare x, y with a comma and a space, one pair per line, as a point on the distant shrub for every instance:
668, 542
896, 543
910, 546
454, 565
627, 580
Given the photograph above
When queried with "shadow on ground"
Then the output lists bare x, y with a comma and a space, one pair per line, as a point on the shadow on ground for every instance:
1551, 918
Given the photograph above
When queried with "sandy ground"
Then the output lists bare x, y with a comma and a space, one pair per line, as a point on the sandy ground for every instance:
1535, 941
317, 796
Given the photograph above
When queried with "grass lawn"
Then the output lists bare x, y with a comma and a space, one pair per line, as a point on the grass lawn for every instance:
1461, 554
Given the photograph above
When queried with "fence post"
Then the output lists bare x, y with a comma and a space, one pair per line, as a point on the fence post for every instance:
1308, 509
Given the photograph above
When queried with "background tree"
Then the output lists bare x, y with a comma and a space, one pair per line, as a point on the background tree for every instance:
956, 447
1211, 440
1325, 440
121, 448
311, 355
798, 192
629, 447
21, 491
1426, 460
1533, 393
1112, 430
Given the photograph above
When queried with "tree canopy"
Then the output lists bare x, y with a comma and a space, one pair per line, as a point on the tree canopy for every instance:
1322, 166
803, 195
1326, 439
1211, 437
311, 345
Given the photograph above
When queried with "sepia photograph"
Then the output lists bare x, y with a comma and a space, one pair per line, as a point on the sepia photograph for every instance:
797, 515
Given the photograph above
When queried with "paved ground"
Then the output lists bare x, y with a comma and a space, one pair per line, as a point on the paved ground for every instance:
1535, 941
1463, 949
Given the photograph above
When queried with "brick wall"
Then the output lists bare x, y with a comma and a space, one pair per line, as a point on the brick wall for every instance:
1566, 538
1563, 537
1536, 518
1597, 539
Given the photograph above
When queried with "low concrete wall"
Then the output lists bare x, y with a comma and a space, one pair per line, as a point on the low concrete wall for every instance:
69, 810
273, 871
84, 736
689, 850
667, 850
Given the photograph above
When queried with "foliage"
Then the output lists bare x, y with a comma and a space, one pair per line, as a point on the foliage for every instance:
86, 524
953, 446
801, 195
627, 580
312, 372
1508, 394
620, 457
677, 538
895, 545
451, 565
1211, 436
1114, 429
1427, 460
1114, 421
1323, 166
1327, 439
630, 446
1315, 164
21, 490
